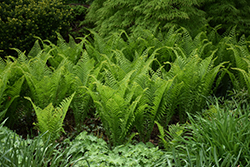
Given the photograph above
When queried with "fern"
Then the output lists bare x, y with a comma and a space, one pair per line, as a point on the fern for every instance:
155, 99
9, 89
116, 107
46, 85
51, 119
241, 55
82, 101
197, 76
62, 50
246, 77
170, 138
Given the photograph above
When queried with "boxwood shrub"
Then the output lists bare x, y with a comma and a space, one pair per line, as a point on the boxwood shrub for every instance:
21, 20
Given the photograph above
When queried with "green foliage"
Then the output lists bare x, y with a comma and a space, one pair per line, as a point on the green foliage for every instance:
131, 81
246, 77
46, 85
225, 133
10, 85
197, 76
157, 103
116, 104
203, 157
78, 12
228, 13
82, 102
21, 20
70, 51
110, 16
171, 137
237, 98
51, 119
96, 151
15, 151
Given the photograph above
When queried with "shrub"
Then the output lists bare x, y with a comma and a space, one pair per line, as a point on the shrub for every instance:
112, 15
21, 20
228, 13
79, 12
78, 1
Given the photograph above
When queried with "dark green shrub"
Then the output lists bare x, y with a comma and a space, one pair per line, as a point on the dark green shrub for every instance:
112, 15
79, 12
78, 1
21, 20
228, 13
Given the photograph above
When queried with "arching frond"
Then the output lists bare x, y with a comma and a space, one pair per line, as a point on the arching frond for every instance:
51, 119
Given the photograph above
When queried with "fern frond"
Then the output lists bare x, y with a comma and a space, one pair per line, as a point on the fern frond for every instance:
116, 106
35, 50
246, 77
170, 138
8, 87
51, 119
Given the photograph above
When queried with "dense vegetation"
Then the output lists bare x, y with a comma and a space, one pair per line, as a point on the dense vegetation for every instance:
21, 20
149, 91
108, 16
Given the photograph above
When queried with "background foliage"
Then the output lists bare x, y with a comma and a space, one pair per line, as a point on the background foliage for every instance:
109, 16
21, 20
228, 13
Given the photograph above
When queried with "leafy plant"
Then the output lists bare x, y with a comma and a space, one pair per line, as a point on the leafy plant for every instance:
9, 89
96, 151
46, 85
226, 134
217, 13
23, 19
116, 105
19, 152
51, 119
170, 138
70, 50
82, 101
157, 103
202, 157
237, 98
197, 76
110, 16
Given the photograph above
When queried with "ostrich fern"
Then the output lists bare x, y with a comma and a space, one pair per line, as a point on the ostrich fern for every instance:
116, 105
51, 119
197, 76
46, 85
82, 71
9, 90
157, 103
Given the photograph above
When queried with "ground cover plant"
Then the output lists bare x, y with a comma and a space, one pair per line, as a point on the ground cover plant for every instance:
147, 96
